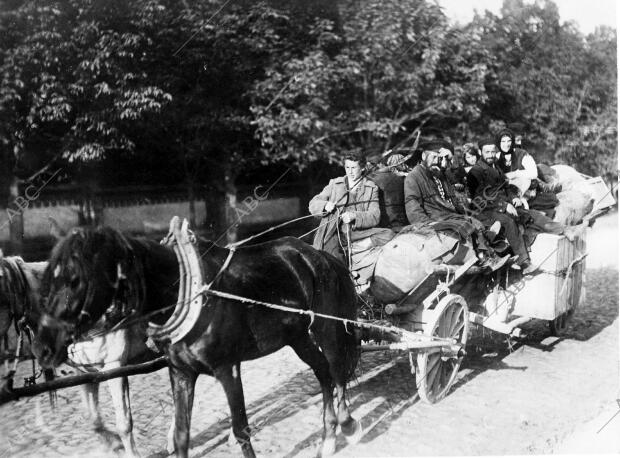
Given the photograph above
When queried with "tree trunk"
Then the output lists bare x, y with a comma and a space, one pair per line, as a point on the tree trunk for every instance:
191, 196
15, 210
232, 218
216, 214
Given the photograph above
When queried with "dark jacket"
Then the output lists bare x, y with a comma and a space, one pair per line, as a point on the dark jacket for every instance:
516, 162
363, 200
391, 198
489, 187
424, 203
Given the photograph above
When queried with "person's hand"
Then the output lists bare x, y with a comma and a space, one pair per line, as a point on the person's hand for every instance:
348, 217
329, 207
511, 210
459, 187
516, 202
526, 205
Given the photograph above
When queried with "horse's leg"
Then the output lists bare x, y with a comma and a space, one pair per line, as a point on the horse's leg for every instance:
350, 427
5, 353
119, 390
183, 384
338, 366
170, 436
230, 378
312, 356
90, 399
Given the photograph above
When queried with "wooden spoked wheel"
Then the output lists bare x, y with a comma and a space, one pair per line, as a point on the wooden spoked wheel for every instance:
436, 369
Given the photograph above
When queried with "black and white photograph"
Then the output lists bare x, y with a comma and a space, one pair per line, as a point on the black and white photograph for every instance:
309, 228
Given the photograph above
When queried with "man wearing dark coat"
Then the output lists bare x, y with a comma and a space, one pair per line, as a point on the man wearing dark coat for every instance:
494, 199
391, 195
430, 201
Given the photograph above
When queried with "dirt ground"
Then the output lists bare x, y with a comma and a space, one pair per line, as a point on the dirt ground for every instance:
541, 395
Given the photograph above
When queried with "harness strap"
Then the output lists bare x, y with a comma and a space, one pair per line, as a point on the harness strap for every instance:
312, 314
223, 268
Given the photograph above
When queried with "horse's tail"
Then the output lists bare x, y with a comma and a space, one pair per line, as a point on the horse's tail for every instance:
343, 305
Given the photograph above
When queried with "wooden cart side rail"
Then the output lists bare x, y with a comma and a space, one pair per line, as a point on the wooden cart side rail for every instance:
7, 394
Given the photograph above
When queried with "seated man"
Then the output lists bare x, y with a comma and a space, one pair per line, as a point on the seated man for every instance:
430, 203
352, 200
493, 198
391, 196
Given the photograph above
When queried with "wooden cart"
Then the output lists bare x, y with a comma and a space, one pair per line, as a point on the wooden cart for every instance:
444, 303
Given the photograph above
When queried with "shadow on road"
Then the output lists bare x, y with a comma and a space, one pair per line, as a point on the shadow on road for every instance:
386, 387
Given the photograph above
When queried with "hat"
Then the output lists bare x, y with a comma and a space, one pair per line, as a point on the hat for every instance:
447, 145
397, 161
486, 141
432, 145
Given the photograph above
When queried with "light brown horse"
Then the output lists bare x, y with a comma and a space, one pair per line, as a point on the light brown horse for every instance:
20, 285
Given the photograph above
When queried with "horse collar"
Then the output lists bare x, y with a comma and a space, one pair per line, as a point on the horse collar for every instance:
191, 285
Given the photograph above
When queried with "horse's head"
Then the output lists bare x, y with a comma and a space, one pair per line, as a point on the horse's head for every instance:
81, 283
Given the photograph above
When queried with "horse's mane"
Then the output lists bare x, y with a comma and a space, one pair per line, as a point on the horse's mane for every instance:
81, 245
14, 287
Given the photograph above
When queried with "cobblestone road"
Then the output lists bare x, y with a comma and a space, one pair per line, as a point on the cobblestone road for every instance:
524, 399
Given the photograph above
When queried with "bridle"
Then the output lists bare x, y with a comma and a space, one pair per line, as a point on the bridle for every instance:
118, 308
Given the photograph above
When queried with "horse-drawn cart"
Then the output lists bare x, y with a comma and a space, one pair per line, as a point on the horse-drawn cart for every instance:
429, 287
426, 290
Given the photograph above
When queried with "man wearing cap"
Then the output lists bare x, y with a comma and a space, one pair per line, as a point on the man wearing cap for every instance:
353, 200
430, 202
495, 199
390, 180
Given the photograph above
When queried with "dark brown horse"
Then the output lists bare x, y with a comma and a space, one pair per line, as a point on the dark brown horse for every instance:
83, 278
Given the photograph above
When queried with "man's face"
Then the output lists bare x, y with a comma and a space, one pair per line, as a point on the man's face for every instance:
489, 154
518, 139
445, 156
432, 160
353, 170
505, 143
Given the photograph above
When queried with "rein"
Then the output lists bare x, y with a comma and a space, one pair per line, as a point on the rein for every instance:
312, 315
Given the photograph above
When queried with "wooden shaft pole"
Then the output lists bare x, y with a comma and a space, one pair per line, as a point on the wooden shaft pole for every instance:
7, 394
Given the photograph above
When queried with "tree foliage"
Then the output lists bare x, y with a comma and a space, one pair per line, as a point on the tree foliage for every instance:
560, 84
210, 88
73, 79
392, 66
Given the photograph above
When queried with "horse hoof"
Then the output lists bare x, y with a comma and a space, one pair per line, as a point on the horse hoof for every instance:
353, 432
232, 440
110, 439
329, 447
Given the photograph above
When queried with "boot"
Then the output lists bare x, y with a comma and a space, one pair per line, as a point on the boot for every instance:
495, 262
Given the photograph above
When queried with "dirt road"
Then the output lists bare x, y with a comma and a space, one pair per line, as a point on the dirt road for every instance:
542, 395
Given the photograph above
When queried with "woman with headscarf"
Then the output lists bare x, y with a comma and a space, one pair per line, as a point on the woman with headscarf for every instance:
516, 163
522, 171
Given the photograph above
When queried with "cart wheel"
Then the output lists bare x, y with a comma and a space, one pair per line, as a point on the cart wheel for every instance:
559, 325
435, 372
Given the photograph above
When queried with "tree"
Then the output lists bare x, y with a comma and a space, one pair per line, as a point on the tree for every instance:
391, 67
208, 58
70, 88
560, 84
